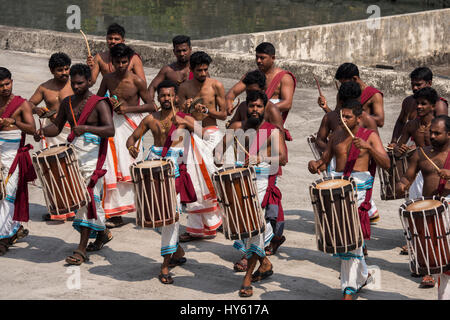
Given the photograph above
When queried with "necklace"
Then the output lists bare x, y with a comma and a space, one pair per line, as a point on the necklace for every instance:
166, 124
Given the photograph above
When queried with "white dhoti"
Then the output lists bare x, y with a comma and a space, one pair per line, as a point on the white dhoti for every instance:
86, 148
415, 190
59, 139
9, 144
443, 281
354, 271
119, 189
204, 215
170, 233
258, 243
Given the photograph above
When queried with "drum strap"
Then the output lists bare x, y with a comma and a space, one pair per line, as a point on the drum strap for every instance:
363, 209
442, 182
98, 172
26, 169
183, 184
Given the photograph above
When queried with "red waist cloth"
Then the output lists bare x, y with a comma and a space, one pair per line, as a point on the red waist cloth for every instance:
273, 196
184, 186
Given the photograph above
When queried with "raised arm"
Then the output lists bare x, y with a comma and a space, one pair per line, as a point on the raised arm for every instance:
154, 84
94, 65
378, 109
232, 94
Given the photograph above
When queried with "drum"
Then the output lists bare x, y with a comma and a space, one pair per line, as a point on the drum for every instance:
425, 223
237, 194
338, 229
388, 178
156, 196
60, 176
312, 144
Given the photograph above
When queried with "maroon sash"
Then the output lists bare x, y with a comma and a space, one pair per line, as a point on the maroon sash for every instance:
273, 193
183, 183
98, 172
443, 182
368, 93
364, 208
191, 75
26, 169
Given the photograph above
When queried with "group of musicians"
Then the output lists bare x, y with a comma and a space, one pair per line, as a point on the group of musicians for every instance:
106, 130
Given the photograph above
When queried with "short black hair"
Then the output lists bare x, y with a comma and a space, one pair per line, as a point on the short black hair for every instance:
354, 105
347, 71
180, 39
255, 95
422, 73
349, 91
428, 93
59, 59
167, 84
199, 58
444, 118
81, 70
265, 47
257, 77
116, 28
4, 74
121, 50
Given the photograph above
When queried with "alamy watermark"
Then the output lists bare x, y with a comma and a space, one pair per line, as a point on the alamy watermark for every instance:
74, 280
374, 21
74, 19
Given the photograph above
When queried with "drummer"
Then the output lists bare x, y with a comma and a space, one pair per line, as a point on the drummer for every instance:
267, 157
52, 92
90, 146
162, 124
366, 153
435, 182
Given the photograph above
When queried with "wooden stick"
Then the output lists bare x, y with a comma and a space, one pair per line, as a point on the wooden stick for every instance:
241, 146
318, 86
71, 110
434, 165
345, 125
87, 44
139, 142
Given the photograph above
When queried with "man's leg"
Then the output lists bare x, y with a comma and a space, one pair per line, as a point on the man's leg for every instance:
79, 255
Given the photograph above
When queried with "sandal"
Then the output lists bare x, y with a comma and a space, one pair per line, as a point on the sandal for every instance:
427, 282
20, 234
186, 237
258, 276
241, 265
246, 292
273, 246
104, 239
167, 278
74, 260
177, 262
114, 222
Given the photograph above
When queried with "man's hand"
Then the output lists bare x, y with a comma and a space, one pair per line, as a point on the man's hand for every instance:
90, 61
187, 105
444, 174
361, 144
400, 187
121, 109
313, 166
201, 108
40, 111
79, 130
322, 102
38, 135
400, 150
133, 151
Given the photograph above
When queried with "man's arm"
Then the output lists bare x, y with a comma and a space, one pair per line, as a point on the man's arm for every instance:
375, 147
441, 108
410, 174
278, 149
232, 94
103, 88
220, 101
400, 123
137, 134
286, 94
378, 109
105, 129
322, 134
138, 68
321, 164
56, 127
35, 99
400, 148
144, 95
94, 65
24, 118
154, 84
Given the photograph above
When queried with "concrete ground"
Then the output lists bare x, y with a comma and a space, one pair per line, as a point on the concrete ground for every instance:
127, 267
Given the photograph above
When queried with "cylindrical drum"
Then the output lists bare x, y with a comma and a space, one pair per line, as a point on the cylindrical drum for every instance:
237, 194
389, 177
59, 173
156, 196
425, 223
338, 229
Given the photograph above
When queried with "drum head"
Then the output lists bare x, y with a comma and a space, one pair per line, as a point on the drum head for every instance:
422, 205
151, 164
53, 150
332, 184
231, 173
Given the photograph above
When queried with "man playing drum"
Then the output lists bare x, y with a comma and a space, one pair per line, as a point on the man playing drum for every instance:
366, 152
267, 151
162, 124
16, 120
434, 182
91, 122
52, 92
127, 88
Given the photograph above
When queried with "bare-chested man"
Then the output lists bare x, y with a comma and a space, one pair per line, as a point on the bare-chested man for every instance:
128, 88
371, 98
91, 122
52, 92
435, 182
204, 215
177, 71
266, 156
365, 151
280, 85
102, 62
163, 125
420, 78
16, 120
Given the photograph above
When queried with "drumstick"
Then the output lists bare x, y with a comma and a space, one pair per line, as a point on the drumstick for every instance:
71, 110
241, 146
345, 125
318, 86
434, 165
87, 44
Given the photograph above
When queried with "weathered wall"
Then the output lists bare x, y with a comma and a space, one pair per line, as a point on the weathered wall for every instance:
401, 40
